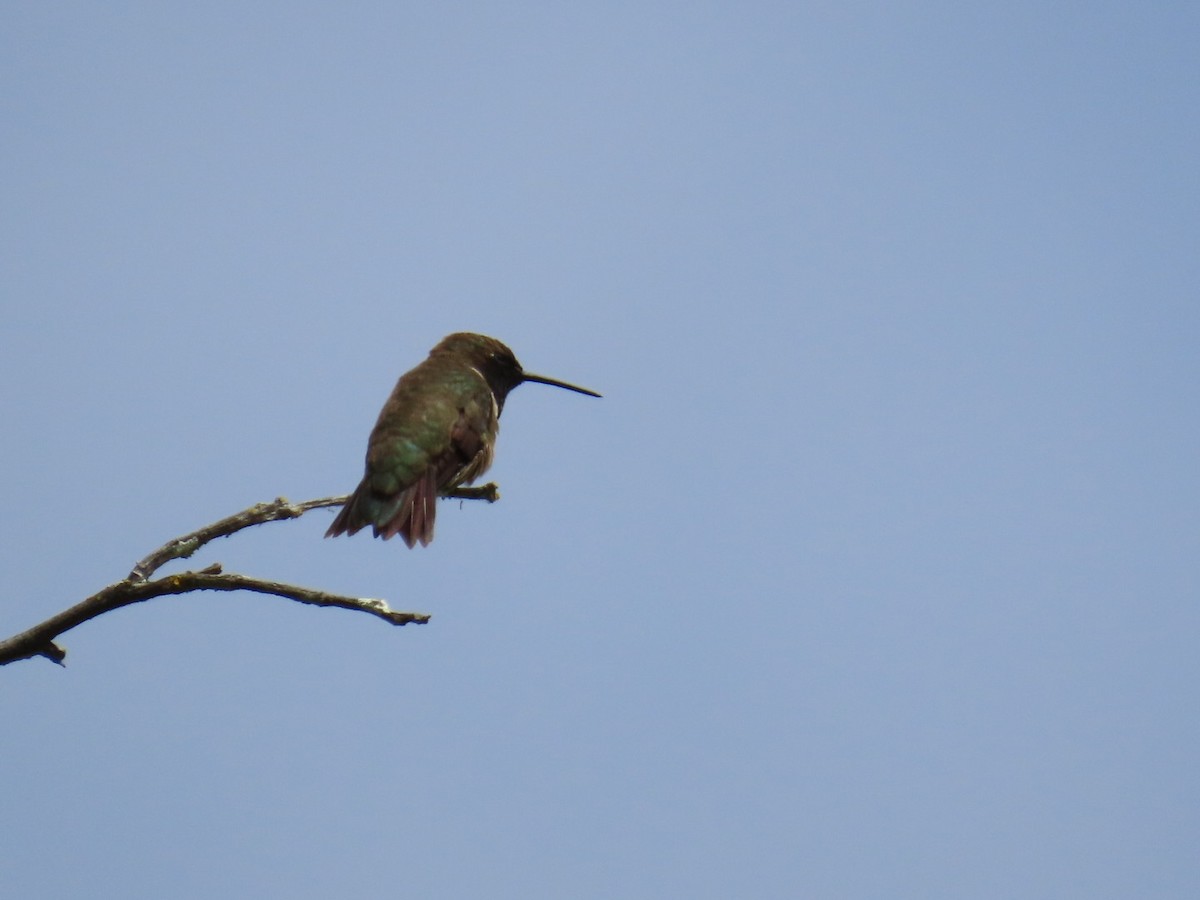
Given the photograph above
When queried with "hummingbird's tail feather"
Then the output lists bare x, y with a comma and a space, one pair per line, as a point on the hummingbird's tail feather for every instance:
414, 513
409, 514
353, 516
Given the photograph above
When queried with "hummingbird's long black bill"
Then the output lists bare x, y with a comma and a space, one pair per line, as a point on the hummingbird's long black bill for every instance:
542, 379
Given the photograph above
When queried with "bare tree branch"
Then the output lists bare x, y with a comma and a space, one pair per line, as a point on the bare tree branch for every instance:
138, 586
258, 514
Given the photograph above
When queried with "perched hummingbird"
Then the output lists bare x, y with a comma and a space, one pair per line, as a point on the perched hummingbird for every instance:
436, 432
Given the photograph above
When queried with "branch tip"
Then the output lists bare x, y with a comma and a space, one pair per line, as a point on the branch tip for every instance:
54, 653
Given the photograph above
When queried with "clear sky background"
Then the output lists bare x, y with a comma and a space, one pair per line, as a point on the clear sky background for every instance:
874, 573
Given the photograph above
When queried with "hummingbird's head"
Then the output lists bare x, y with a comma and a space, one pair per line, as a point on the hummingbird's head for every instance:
496, 363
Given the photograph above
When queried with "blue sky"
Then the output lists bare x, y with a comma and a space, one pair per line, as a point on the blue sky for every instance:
873, 573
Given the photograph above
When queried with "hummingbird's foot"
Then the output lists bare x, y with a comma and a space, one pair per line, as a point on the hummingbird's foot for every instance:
489, 492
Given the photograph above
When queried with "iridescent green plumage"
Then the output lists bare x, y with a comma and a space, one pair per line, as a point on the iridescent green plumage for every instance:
436, 432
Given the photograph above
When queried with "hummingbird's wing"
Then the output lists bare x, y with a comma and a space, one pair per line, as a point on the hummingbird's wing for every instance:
473, 439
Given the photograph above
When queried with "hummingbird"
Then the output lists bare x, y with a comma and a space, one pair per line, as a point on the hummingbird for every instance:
436, 432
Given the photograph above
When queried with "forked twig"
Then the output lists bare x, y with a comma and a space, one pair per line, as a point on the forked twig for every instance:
138, 585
